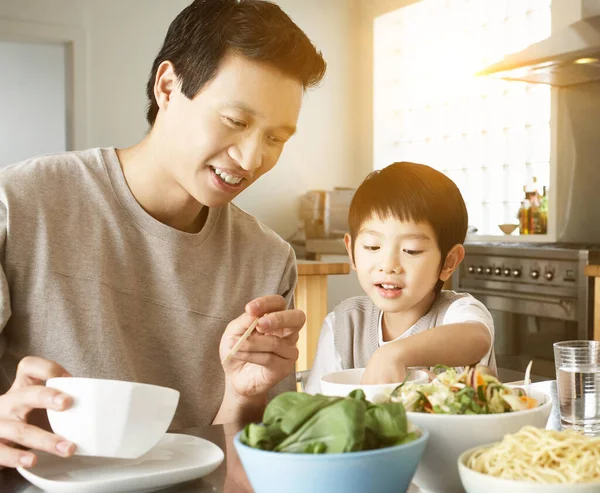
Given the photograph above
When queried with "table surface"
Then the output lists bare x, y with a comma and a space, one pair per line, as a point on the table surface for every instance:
230, 476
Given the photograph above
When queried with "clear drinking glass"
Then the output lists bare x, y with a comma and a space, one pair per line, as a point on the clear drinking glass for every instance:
578, 382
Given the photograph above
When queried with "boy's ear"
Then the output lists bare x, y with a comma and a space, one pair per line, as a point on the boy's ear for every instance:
453, 259
348, 242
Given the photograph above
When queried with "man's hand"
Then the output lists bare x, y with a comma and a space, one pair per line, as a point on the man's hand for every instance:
268, 355
26, 394
384, 367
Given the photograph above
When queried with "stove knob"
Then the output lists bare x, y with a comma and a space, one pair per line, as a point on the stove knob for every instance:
549, 275
534, 274
480, 270
498, 271
516, 273
488, 270
507, 272
471, 269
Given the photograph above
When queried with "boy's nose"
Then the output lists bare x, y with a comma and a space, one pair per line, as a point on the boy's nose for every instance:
391, 265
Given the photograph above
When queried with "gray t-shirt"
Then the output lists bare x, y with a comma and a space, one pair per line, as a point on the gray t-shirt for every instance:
92, 281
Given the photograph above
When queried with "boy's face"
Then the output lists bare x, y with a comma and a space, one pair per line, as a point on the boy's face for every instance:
398, 264
231, 133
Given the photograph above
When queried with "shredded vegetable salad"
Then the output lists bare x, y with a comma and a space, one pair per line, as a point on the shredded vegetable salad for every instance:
474, 391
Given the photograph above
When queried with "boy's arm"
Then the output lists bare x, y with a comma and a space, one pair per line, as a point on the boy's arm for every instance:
459, 344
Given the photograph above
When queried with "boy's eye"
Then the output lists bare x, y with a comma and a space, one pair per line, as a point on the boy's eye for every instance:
412, 252
370, 248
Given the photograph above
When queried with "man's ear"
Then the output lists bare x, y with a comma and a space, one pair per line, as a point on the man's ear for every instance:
348, 243
164, 84
453, 259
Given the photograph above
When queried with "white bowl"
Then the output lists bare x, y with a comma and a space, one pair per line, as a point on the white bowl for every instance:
341, 383
476, 482
451, 435
111, 418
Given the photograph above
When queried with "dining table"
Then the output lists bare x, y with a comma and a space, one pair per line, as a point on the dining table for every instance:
230, 477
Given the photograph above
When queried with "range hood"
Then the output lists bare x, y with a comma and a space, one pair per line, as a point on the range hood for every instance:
568, 57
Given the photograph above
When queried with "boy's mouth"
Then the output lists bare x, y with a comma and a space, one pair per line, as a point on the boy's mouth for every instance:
388, 290
387, 286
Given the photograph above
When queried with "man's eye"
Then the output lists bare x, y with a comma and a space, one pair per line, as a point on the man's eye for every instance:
276, 140
370, 248
412, 252
235, 123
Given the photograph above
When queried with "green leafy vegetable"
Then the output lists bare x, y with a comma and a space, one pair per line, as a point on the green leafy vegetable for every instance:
318, 424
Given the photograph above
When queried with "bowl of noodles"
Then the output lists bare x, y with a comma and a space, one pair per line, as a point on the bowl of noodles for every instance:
533, 460
462, 411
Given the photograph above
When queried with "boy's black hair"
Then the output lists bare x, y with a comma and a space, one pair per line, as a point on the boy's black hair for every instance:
412, 192
207, 30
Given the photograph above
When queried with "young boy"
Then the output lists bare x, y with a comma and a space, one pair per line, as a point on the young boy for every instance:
407, 225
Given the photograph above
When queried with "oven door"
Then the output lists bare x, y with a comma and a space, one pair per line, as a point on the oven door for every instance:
526, 327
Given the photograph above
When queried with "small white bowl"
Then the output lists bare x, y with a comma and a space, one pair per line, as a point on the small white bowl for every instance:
341, 383
476, 482
452, 434
111, 418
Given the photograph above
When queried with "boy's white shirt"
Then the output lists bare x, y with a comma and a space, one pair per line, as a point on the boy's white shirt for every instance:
328, 360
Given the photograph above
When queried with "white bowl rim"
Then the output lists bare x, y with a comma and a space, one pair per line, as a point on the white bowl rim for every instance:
507, 415
367, 386
462, 458
424, 436
112, 382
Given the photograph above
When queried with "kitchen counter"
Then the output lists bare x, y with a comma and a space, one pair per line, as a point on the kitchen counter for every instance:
311, 298
594, 271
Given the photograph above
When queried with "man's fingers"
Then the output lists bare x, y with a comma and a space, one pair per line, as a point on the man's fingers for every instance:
282, 323
265, 304
12, 457
269, 344
33, 371
269, 360
18, 403
32, 437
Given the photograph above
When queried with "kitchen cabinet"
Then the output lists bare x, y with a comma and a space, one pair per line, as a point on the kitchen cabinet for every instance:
311, 298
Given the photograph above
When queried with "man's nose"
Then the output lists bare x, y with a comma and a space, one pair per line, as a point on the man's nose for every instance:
248, 152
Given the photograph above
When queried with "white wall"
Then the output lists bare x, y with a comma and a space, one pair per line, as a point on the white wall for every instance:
60, 12
33, 112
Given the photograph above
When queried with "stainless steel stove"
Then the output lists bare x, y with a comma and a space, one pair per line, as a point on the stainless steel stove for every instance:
537, 294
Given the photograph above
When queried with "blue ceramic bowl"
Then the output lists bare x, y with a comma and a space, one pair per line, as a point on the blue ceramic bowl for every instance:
386, 470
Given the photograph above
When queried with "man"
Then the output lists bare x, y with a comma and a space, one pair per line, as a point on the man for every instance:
129, 263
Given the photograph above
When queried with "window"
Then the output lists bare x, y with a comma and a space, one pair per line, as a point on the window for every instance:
490, 136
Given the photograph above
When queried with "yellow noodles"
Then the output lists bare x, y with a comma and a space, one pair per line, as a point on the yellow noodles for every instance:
542, 456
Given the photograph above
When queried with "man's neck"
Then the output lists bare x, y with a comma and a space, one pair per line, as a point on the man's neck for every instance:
156, 191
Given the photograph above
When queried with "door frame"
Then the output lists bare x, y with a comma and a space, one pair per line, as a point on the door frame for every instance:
75, 41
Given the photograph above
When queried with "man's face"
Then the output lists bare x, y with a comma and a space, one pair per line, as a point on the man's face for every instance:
232, 132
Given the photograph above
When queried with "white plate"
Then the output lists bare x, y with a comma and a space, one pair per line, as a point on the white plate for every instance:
175, 459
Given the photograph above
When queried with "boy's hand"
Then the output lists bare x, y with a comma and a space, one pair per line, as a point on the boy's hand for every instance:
27, 393
384, 367
268, 355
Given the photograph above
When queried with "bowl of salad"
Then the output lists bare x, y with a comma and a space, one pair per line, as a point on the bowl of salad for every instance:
330, 444
462, 411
